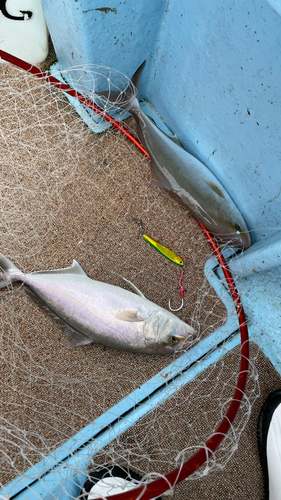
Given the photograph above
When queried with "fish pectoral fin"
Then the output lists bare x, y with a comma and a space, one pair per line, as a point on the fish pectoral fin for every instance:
157, 179
75, 338
215, 188
172, 138
132, 315
75, 268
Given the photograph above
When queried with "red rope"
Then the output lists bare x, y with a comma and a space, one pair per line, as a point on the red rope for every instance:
156, 488
182, 290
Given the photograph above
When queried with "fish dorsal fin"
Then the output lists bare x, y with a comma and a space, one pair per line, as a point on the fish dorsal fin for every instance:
75, 338
137, 75
157, 179
75, 268
132, 315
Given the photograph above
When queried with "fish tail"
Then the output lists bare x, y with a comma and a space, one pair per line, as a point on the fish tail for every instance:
9, 273
127, 100
137, 76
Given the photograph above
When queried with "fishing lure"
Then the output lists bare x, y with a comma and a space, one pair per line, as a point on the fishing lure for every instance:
169, 254
164, 250
155, 244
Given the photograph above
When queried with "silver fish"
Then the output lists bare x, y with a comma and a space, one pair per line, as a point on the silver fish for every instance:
105, 314
174, 169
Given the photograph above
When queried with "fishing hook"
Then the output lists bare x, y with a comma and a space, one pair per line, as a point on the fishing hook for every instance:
178, 308
182, 295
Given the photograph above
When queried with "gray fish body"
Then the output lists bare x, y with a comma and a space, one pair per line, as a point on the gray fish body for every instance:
175, 169
97, 312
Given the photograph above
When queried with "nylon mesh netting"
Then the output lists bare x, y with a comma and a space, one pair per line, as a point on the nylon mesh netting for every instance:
64, 193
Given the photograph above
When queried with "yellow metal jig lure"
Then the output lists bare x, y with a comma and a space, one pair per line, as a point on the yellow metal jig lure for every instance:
169, 254
155, 244
164, 250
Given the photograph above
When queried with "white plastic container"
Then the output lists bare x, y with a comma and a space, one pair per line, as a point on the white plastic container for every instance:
23, 30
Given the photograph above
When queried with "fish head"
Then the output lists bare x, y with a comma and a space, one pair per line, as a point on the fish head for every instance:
234, 232
214, 208
165, 333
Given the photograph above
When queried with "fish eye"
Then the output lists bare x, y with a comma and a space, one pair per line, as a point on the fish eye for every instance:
237, 228
181, 262
173, 339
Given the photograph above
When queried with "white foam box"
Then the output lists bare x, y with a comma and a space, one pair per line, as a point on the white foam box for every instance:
23, 30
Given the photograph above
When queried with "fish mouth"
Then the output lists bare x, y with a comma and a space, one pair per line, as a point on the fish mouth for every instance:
190, 333
235, 233
186, 338
240, 239
243, 241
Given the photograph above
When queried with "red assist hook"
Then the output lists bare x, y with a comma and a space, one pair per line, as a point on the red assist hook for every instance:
182, 290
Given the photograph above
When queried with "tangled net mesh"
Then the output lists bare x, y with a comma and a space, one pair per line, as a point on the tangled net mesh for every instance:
64, 192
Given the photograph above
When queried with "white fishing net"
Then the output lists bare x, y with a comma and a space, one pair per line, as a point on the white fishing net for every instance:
64, 193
